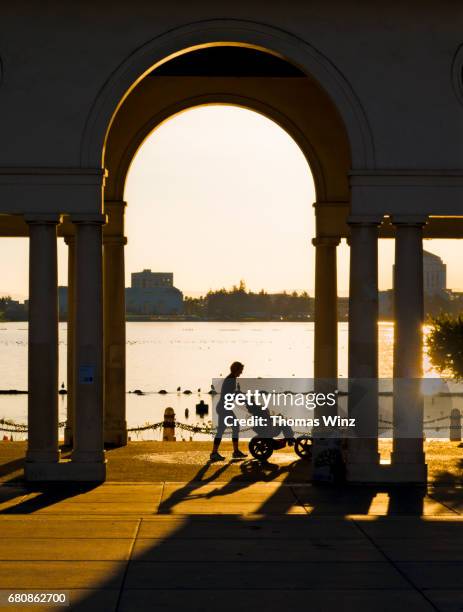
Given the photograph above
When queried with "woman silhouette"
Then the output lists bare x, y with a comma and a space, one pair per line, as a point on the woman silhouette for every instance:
229, 386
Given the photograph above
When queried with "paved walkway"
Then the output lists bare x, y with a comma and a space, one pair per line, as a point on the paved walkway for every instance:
203, 546
185, 461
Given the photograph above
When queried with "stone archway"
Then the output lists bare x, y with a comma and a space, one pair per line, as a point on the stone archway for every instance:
213, 33
333, 154
347, 179
291, 102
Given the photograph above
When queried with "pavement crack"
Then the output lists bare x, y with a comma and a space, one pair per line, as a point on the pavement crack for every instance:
124, 576
395, 566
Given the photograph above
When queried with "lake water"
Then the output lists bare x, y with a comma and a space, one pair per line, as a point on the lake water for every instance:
167, 355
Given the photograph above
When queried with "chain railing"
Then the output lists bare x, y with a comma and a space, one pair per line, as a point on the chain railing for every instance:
10, 426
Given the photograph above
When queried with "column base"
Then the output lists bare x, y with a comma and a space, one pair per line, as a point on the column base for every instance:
79, 456
411, 473
363, 457
324, 451
68, 471
68, 437
116, 436
403, 458
39, 456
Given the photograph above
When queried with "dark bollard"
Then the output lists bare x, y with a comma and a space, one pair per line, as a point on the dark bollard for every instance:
455, 425
168, 431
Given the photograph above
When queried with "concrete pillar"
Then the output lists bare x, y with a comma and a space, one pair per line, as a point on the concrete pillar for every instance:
455, 425
363, 457
68, 430
42, 447
326, 316
115, 431
168, 429
88, 452
407, 452
326, 344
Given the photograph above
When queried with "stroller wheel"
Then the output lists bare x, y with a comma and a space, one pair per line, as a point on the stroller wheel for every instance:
261, 448
303, 447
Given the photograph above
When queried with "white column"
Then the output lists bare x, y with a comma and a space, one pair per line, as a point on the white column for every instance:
69, 428
43, 342
363, 347
115, 430
408, 348
115, 433
326, 303
88, 369
326, 337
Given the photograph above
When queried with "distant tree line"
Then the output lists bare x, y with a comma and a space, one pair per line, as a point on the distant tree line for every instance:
11, 310
239, 303
444, 302
451, 304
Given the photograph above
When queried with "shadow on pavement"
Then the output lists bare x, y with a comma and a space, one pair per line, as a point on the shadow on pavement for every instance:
325, 559
10, 468
46, 495
345, 548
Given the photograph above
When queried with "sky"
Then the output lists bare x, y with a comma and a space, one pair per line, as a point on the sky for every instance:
217, 194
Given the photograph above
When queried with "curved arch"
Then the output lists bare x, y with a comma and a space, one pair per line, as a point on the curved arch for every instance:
222, 32
117, 177
457, 73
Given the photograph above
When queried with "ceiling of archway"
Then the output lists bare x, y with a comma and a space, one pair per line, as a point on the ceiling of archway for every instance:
217, 75
228, 61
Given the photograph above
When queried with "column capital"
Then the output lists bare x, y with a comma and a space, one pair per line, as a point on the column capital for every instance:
409, 220
42, 219
88, 219
365, 220
115, 211
326, 241
331, 204
115, 204
114, 240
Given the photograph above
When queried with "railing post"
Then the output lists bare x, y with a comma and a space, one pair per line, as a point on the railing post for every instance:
455, 425
168, 428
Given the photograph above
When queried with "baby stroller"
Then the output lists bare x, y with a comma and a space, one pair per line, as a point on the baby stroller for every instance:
265, 442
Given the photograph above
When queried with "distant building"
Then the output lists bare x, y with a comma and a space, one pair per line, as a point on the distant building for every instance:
153, 293
343, 308
385, 304
436, 294
434, 274
150, 280
62, 303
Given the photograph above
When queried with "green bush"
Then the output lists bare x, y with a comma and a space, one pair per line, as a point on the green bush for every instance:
445, 345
